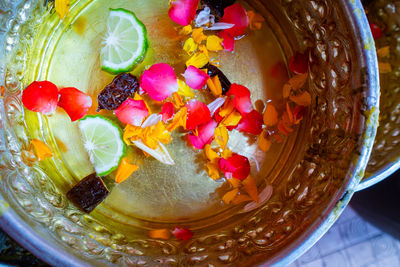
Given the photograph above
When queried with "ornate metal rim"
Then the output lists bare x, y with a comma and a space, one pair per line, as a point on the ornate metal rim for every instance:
55, 254
360, 20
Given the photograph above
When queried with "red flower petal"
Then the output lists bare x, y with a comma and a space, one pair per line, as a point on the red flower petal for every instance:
182, 234
298, 63
183, 11
241, 98
376, 31
228, 41
159, 81
197, 113
218, 117
195, 78
132, 112
251, 123
205, 134
238, 166
167, 111
298, 113
76, 103
41, 97
236, 14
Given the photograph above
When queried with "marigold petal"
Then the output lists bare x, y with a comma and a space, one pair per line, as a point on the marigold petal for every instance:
255, 20
42, 151
384, 67
221, 136
234, 182
270, 115
228, 197
125, 169
383, 51
250, 186
227, 153
214, 43
163, 234
159, 81
213, 170
186, 30
177, 100
240, 199
198, 35
62, 7
184, 89
210, 154
178, 120
203, 50
264, 143
303, 99
284, 129
190, 46
198, 60
289, 113
215, 90
232, 119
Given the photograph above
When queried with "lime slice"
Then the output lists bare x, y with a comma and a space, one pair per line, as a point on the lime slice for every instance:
103, 141
125, 44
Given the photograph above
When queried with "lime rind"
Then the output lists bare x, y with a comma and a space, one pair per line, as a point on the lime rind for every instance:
138, 57
88, 126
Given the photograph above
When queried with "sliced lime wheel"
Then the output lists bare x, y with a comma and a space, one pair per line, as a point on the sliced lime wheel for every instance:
103, 141
125, 43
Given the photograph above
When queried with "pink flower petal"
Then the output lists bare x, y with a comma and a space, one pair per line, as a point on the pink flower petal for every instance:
159, 81
182, 234
195, 78
197, 113
236, 14
238, 166
167, 111
183, 11
241, 98
228, 41
251, 123
298, 63
132, 112
205, 134
74, 102
41, 97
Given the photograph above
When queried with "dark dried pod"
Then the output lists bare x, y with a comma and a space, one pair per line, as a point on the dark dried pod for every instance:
88, 193
217, 6
114, 94
215, 71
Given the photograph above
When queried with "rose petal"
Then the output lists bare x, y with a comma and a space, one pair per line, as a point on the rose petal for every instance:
205, 134
241, 98
251, 123
195, 77
228, 41
182, 234
197, 113
376, 30
132, 112
298, 63
74, 102
298, 113
236, 14
167, 111
237, 165
159, 81
183, 11
41, 97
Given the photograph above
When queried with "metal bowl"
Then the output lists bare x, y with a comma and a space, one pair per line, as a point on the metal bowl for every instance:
312, 181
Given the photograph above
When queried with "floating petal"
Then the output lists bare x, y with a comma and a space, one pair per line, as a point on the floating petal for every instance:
205, 134
195, 77
132, 112
41, 97
197, 113
74, 102
236, 14
183, 11
159, 81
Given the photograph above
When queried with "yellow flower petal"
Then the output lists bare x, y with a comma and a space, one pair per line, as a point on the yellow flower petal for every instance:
125, 169
203, 49
213, 170
232, 119
228, 197
198, 35
226, 153
210, 154
198, 60
190, 46
42, 151
177, 100
250, 186
214, 43
186, 30
62, 7
221, 136
215, 86
184, 89
234, 182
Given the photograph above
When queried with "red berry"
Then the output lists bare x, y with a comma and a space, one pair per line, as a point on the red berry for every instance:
41, 97
74, 102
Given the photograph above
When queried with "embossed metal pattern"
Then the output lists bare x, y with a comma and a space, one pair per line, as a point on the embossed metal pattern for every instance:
338, 132
385, 158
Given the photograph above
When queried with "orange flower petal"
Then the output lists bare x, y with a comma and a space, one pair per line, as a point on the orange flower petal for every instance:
186, 30
255, 20
2, 91
284, 129
234, 182
210, 154
184, 89
383, 52
42, 151
125, 169
178, 120
384, 67
216, 91
303, 99
227, 108
198, 35
294, 84
289, 113
228, 197
232, 119
270, 115
226, 153
214, 43
264, 143
250, 186
240, 199
221, 136
177, 100
213, 170
164, 234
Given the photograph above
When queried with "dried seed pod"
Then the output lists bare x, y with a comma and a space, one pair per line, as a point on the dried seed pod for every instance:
214, 71
88, 193
114, 94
